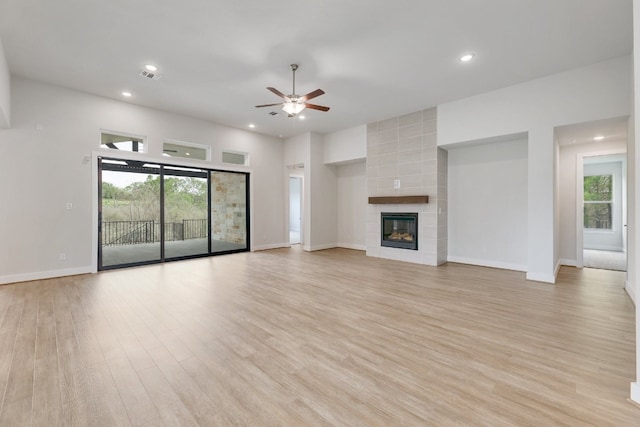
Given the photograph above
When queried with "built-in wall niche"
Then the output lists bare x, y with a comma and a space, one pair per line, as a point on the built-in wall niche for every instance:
187, 150
122, 142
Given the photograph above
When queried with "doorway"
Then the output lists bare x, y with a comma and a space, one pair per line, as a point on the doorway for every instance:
295, 210
576, 145
604, 209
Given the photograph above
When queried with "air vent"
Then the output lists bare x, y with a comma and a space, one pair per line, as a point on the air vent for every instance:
149, 75
273, 113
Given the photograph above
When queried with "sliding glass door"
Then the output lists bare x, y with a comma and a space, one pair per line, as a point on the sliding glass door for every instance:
129, 214
151, 213
186, 230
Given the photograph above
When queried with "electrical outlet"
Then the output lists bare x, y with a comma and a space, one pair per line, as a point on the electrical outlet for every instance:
69, 206
396, 184
62, 256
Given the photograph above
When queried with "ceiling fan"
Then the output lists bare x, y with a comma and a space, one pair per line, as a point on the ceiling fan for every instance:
294, 104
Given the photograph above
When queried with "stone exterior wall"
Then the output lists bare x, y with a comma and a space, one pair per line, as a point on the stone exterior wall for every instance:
229, 207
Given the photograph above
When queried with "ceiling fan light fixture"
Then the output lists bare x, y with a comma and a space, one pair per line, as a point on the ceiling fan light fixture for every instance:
292, 108
294, 104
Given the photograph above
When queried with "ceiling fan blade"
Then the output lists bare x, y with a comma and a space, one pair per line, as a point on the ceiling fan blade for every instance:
268, 105
277, 92
317, 107
312, 95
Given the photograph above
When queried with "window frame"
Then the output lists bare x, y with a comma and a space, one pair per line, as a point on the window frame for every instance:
206, 148
142, 138
235, 152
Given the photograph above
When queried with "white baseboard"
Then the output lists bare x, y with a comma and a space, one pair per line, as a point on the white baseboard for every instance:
568, 262
40, 275
350, 246
540, 277
635, 392
487, 263
272, 246
605, 248
322, 247
631, 290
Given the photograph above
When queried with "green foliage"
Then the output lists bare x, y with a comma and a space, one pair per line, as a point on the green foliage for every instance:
185, 198
598, 188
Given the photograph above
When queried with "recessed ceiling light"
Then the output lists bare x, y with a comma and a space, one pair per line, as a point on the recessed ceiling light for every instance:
126, 93
251, 125
302, 117
598, 138
188, 154
150, 67
467, 57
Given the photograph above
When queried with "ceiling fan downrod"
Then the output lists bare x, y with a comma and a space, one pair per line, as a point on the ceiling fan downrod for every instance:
294, 67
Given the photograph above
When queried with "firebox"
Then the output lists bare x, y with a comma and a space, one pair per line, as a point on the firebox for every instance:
399, 230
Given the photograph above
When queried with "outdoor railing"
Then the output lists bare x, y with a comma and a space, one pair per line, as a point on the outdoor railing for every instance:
148, 231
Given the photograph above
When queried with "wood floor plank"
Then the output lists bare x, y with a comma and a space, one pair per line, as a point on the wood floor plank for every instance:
20, 382
219, 394
286, 337
172, 410
47, 406
17, 413
106, 407
136, 399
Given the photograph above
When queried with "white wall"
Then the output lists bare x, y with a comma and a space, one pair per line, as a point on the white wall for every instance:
609, 240
5, 91
488, 204
324, 198
44, 164
569, 156
634, 186
632, 200
346, 145
297, 152
352, 206
320, 187
599, 91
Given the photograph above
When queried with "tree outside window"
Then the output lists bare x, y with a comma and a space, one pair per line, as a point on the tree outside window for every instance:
598, 202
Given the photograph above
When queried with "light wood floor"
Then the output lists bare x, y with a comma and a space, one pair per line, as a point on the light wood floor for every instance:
332, 338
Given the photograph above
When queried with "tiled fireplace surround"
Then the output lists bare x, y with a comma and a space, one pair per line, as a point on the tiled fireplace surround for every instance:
405, 148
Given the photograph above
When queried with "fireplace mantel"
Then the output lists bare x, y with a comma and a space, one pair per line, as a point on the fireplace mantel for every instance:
392, 200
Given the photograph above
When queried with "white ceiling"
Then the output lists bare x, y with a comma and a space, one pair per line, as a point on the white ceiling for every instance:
374, 58
613, 130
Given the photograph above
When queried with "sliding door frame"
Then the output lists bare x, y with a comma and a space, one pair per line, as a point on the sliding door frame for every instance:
99, 157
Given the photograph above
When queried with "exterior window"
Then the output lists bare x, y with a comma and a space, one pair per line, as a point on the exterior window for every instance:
598, 202
234, 157
122, 142
185, 149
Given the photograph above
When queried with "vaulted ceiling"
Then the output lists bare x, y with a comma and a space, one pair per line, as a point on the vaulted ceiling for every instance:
374, 58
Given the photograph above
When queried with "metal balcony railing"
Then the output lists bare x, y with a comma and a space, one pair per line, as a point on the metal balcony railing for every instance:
148, 231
